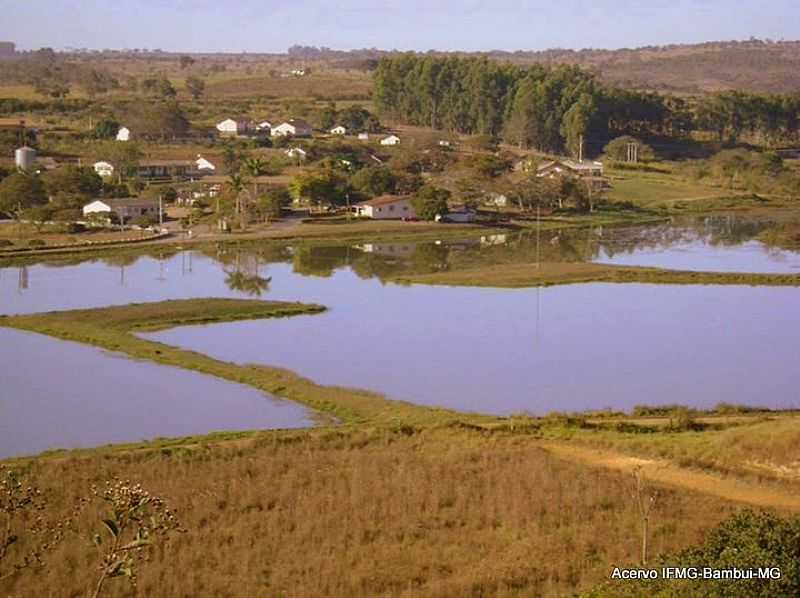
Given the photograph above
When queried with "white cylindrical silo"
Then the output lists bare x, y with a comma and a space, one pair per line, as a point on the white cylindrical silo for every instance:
25, 157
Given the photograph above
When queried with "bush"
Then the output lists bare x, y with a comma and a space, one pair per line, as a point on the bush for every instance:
748, 540
430, 202
36, 243
144, 221
617, 149
5, 243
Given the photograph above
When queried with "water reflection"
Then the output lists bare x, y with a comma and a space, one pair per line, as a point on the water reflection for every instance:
714, 243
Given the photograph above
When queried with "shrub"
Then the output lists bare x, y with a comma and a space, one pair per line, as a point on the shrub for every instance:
748, 540
36, 243
617, 149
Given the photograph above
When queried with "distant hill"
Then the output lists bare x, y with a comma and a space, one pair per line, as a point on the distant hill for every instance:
752, 65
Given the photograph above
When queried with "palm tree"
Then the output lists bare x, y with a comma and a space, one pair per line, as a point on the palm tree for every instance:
237, 184
255, 166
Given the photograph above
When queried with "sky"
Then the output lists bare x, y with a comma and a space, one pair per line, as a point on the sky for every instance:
270, 26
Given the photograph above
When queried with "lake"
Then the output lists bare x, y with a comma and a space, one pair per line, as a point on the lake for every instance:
499, 351
58, 394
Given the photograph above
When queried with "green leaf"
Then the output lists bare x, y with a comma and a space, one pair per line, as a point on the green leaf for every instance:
112, 527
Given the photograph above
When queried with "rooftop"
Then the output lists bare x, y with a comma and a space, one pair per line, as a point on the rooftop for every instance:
132, 202
383, 200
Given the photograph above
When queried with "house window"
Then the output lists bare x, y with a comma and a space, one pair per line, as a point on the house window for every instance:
391, 208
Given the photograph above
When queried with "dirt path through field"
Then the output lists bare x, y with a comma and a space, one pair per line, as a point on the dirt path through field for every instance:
668, 473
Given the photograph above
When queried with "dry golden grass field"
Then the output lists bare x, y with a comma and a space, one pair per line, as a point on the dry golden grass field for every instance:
445, 512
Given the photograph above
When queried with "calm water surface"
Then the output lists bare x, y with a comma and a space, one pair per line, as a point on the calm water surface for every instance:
489, 350
57, 394
714, 243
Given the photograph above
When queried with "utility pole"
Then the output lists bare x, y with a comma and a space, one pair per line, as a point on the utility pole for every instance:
538, 228
580, 149
347, 198
160, 211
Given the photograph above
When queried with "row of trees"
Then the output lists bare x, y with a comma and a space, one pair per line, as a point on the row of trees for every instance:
551, 109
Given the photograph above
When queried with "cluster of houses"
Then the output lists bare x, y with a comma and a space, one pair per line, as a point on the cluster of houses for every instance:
245, 127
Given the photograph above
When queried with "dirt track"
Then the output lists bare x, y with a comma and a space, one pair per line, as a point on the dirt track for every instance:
668, 473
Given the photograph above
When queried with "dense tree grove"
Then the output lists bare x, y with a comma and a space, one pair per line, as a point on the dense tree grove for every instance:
551, 109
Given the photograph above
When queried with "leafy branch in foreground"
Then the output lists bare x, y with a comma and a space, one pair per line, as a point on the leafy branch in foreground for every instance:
137, 520
21, 512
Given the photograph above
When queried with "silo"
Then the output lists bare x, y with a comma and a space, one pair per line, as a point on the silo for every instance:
25, 157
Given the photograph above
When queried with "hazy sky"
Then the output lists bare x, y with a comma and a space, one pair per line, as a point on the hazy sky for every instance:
269, 26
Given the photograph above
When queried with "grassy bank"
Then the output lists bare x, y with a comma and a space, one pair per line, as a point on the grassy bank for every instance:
112, 328
556, 273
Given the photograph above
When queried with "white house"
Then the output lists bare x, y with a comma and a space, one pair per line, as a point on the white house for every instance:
124, 208
203, 164
363, 136
498, 200
234, 127
264, 125
390, 140
294, 127
586, 168
104, 169
338, 130
124, 134
444, 143
296, 152
386, 207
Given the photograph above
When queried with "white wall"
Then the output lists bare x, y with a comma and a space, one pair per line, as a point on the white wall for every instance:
400, 209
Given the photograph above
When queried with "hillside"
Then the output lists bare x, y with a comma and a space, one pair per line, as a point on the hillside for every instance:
751, 65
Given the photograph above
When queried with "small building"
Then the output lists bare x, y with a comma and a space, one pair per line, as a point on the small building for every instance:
390, 140
460, 215
585, 168
264, 126
158, 169
338, 130
298, 72
294, 127
25, 157
444, 143
363, 136
125, 208
386, 207
498, 200
124, 134
235, 127
203, 164
296, 153
104, 169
